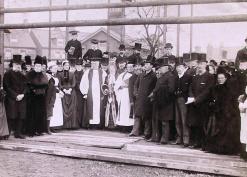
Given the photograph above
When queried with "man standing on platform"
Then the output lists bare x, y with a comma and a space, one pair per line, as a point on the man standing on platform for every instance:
73, 48
198, 102
183, 81
163, 96
90, 87
121, 54
15, 85
136, 56
94, 52
143, 108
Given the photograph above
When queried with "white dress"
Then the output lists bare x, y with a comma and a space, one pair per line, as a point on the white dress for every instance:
57, 118
122, 95
243, 114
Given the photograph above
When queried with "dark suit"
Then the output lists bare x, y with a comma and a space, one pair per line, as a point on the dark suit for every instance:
164, 103
182, 92
199, 110
15, 83
144, 86
77, 52
92, 54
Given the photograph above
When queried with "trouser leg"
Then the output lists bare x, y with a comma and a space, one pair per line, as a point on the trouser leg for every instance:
136, 127
178, 122
147, 128
165, 132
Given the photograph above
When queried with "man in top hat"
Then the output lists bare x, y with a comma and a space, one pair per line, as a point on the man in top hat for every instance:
28, 63
90, 87
163, 100
144, 86
241, 53
197, 102
15, 85
94, 52
136, 56
121, 53
191, 60
73, 47
182, 84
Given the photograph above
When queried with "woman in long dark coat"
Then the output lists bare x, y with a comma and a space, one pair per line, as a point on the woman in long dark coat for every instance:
79, 96
37, 114
67, 84
223, 126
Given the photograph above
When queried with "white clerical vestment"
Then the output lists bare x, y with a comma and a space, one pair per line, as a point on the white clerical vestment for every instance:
96, 90
121, 89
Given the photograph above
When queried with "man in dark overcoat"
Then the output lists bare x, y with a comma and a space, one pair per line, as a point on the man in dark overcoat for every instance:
15, 85
163, 96
144, 86
183, 81
73, 48
198, 99
94, 52
136, 56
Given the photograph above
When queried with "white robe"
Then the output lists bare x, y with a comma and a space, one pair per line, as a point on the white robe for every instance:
96, 89
243, 114
57, 118
122, 95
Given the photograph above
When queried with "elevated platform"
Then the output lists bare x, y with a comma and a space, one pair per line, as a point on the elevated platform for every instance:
119, 148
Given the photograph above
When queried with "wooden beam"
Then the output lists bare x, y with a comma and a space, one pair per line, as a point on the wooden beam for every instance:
116, 5
119, 156
135, 21
1, 45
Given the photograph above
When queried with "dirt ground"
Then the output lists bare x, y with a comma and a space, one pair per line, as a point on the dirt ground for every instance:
22, 164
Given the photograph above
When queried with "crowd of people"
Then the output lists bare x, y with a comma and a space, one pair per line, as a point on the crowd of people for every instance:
186, 100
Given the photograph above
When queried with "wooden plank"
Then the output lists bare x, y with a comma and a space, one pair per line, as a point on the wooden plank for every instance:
179, 151
125, 158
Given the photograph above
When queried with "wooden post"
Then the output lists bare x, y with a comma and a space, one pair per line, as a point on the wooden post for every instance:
191, 29
108, 30
164, 29
178, 33
1, 43
49, 36
67, 19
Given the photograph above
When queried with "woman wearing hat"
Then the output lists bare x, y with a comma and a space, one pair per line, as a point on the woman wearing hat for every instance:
53, 98
15, 85
37, 114
67, 84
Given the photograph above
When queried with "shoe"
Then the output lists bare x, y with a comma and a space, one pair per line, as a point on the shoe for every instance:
163, 142
176, 143
151, 140
132, 135
20, 136
186, 145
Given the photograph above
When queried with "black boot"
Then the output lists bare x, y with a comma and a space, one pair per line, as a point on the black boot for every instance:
18, 133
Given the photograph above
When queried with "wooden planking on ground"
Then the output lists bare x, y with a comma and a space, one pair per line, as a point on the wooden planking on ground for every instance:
80, 141
129, 158
162, 149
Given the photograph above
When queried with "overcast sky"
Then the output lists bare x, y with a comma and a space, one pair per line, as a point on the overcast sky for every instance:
227, 34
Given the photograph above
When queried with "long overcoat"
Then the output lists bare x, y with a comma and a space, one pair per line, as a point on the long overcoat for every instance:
145, 84
164, 96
